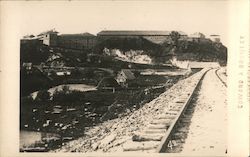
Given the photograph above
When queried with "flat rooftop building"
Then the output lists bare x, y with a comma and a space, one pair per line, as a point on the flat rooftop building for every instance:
137, 33
157, 37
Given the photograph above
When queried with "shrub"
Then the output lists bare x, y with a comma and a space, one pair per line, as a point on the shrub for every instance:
43, 95
67, 96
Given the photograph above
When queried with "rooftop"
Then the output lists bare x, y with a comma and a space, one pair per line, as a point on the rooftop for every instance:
214, 35
137, 33
128, 74
86, 34
53, 31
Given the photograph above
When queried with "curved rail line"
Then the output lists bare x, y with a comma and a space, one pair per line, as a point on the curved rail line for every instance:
167, 139
223, 82
184, 116
160, 132
165, 128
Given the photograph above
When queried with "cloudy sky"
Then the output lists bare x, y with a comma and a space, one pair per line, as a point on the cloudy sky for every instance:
208, 17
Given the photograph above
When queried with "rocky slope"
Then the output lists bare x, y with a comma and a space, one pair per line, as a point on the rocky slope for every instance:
111, 135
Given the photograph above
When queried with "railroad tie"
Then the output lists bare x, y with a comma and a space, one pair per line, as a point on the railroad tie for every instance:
158, 126
166, 122
147, 137
181, 100
167, 117
155, 131
175, 109
178, 105
172, 112
139, 146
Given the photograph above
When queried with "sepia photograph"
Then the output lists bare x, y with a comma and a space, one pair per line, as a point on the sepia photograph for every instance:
123, 77
126, 89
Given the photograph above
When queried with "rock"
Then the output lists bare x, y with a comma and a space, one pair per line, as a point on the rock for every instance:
119, 142
95, 146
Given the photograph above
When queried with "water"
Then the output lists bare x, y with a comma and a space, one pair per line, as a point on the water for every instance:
32, 140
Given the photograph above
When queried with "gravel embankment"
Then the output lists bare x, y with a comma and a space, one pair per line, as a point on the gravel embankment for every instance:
111, 135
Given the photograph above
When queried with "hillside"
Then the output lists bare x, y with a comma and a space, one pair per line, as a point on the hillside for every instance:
134, 50
183, 50
202, 51
56, 57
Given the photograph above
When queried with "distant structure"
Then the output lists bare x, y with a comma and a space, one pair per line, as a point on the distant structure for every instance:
49, 37
28, 37
27, 66
124, 76
215, 38
197, 36
87, 41
84, 41
108, 83
157, 37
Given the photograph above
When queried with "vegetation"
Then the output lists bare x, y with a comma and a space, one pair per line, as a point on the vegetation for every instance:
33, 52
175, 36
32, 81
128, 43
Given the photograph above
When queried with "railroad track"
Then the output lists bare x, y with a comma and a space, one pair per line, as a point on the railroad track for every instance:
178, 131
160, 135
160, 126
223, 82
175, 137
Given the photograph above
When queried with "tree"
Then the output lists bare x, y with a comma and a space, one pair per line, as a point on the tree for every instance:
175, 36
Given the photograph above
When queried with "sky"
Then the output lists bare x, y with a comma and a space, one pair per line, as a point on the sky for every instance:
208, 17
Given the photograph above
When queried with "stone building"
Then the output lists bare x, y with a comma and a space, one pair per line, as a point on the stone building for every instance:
49, 37
157, 37
84, 41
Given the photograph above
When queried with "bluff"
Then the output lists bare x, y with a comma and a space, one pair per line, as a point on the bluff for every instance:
161, 53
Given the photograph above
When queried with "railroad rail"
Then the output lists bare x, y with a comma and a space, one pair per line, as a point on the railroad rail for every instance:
167, 139
223, 82
155, 128
158, 136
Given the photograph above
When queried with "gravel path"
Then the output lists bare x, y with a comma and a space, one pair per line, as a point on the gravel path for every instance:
208, 128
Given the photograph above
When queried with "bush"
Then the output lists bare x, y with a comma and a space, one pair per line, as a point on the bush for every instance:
43, 95
65, 95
